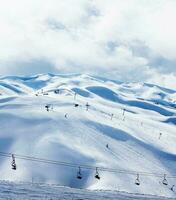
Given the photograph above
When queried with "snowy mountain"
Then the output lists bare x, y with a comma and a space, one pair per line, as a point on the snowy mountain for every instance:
54, 124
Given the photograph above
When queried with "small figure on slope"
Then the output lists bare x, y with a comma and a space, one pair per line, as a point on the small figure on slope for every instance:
160, 134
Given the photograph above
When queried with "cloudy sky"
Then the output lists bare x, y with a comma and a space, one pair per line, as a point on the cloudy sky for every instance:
129, 40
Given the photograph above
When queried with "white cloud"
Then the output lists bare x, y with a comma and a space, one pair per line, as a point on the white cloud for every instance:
124, 39
165, 80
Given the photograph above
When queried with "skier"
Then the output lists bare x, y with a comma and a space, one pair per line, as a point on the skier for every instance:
47, 107
160, 136
87, 106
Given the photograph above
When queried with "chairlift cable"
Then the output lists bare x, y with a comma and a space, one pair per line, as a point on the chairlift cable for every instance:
82, 166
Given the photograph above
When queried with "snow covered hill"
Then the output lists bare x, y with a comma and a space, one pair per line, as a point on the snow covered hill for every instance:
124, 130
33, 191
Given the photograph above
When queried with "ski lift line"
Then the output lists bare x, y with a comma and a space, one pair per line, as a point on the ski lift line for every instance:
88, 167
114, 117
102, 112
136, 121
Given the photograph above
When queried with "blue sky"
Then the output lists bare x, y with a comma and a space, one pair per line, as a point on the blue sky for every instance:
131, 40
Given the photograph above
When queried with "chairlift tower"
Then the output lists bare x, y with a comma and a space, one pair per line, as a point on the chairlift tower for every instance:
112, 116
75, 96
123, 111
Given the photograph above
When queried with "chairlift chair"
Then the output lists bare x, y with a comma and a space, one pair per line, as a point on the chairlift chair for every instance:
97, 176
79, 175
137, 181
172, 188
14, 167
165, 182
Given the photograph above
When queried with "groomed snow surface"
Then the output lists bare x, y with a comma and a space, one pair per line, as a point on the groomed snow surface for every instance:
127, 127
26, 191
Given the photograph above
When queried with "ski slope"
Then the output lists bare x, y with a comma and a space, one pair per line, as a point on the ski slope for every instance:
28, 191
136, 120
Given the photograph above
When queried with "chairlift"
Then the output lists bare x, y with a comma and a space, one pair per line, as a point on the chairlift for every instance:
79, 175
137, 181
13, 162
172, 188
165, 182
97, 176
